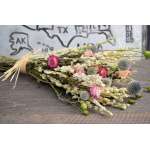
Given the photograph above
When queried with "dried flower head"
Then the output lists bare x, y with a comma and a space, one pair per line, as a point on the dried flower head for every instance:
53, 61
134, 88
84, 95
95, 91
123, 64
103, 72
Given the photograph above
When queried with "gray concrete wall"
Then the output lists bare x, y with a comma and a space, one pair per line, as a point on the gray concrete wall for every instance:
18, 40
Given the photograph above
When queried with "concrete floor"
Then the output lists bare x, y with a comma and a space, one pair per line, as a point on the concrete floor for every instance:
33, 102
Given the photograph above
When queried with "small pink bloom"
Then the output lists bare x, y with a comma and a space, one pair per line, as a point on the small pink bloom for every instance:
53, 61
95, 91
79, 69
88, 53
103, 72
79, 74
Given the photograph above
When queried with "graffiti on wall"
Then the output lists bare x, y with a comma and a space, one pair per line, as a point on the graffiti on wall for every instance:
19, 41
129, 34
65, 36
72, 32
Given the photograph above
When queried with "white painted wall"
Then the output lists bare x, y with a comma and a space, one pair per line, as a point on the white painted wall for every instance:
13, 38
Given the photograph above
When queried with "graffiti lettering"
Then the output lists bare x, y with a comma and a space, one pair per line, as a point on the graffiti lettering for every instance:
129, 34
19, 41
74, 32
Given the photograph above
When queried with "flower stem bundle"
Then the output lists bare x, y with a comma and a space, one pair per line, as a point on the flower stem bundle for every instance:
78, 76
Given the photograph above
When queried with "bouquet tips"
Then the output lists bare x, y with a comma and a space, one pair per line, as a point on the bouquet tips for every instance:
79, 76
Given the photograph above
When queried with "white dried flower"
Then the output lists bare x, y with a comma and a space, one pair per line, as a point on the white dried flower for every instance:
84, 95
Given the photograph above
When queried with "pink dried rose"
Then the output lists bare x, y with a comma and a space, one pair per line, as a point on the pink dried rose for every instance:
103, 72
95, 91
88, 53
53, 61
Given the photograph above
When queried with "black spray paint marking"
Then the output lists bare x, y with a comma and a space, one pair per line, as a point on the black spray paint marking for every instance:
129, 34
45, 47
82, 31
19, 41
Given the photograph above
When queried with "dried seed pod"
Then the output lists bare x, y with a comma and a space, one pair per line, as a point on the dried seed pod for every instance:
89, 105
134, 88
107, 81
123, 64
84, 95
83, 105
121, 106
